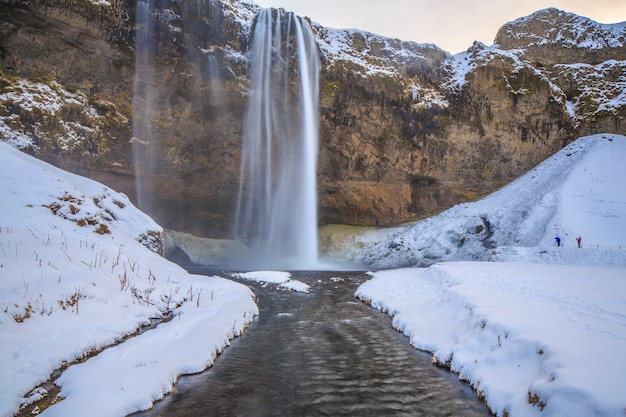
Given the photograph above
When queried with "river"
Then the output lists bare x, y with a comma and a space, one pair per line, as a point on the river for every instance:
320, 354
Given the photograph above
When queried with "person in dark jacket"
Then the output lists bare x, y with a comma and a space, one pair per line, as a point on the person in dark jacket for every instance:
558, 241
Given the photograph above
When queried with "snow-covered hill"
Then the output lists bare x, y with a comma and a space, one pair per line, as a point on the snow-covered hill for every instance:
577, 192
75, 280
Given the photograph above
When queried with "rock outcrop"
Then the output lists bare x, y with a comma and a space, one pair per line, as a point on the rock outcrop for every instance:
406, 129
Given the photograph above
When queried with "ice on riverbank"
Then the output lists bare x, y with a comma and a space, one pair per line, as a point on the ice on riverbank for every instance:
280, 278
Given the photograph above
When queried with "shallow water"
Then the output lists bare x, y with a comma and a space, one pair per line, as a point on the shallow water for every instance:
320, 354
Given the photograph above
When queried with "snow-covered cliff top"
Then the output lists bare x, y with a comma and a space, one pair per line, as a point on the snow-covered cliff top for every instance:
554, 26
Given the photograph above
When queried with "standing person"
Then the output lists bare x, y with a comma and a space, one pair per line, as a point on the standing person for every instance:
558, 241
578, 240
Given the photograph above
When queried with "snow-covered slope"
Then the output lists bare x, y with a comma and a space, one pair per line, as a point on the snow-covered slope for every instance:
75, 279
577, 192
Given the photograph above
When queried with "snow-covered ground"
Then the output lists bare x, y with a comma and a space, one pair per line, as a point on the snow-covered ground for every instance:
538, 330
75, 279
533, 339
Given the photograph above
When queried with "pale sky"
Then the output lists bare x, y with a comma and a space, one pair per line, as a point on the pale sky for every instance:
452, 25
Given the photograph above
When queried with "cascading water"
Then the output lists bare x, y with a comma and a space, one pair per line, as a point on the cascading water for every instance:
143, 92
277, 205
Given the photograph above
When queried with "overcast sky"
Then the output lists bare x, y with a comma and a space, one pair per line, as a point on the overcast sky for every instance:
453, 25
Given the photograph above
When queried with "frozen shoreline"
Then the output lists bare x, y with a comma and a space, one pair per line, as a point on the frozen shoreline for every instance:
527, 337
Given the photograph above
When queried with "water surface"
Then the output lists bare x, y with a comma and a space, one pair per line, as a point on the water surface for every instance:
320, 354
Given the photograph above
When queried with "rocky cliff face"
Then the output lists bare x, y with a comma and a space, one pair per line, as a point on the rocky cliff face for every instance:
409, 130
406, 129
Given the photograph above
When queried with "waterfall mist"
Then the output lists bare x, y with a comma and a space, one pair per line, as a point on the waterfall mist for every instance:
277, 205
185, 115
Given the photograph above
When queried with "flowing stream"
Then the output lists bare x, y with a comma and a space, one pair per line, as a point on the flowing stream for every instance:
320, 354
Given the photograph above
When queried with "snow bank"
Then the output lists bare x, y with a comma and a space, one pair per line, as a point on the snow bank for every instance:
75, 279
129, 377
283, 279
533, 340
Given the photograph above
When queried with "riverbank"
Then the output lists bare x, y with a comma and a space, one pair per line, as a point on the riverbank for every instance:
532, 339
319, 353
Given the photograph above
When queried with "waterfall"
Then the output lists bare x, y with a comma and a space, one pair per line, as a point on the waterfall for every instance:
276, 201
277, 205
213, 69
143, 99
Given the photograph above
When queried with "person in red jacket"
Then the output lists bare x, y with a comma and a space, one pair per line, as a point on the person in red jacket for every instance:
578, 240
